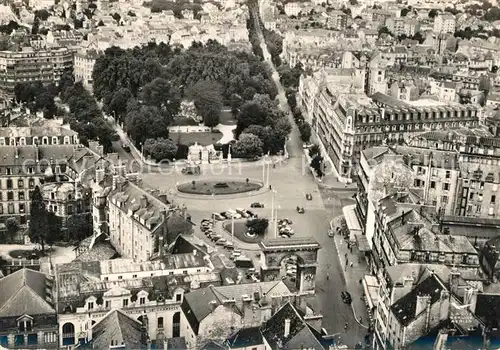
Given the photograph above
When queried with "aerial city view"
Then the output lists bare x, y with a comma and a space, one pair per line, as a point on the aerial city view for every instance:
250, 174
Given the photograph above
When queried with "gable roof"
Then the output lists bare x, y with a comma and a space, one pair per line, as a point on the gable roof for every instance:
405, 308
301, 334
24, 292
245, 337
118, 327
200, 303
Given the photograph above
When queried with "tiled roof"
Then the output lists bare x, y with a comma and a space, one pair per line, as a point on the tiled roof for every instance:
38, 131
198, 304
245, 337
116, 328
405, 308
25, 292
99, 252
301, 335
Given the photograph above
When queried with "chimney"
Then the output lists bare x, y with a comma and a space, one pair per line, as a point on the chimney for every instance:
287, 328
99, 175
403, 218
247, 306
37, 153
144, 201
422, 301
213, 305
116, 182
454, 280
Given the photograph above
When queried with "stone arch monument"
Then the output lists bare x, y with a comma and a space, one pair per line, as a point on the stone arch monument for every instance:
275, 250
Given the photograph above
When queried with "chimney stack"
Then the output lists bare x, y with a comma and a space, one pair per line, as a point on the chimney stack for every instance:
116, 181
287, 328
144, 201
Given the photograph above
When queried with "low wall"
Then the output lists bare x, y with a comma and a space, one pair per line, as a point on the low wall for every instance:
189, 128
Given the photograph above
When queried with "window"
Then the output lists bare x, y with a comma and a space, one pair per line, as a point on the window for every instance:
20, 184
9, 184
106, 278
178, 297
160, 322
433, 184
21, 207
142, 300
493, 199
120, 277
10, 208
10, 196
185, 272
134, 276
31, 183
446, 186
90, 306
125, 302
444, 199
52, 195
108, 304
21, 195
9, 171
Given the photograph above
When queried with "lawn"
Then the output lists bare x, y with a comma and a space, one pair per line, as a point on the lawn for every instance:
189, 138
218, 187
240, 232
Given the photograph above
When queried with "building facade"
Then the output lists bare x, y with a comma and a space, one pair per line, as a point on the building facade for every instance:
29, 65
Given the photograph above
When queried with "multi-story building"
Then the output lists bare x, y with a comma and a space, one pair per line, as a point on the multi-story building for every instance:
402, 26
230, 308
347, 123
33, 155
29, 65
150, 291
27, 311
84, 66
65, 198
444, 23
138, 221
415, 299
337, 20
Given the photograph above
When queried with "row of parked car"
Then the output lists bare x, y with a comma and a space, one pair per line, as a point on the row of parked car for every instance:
207, 227
237, 213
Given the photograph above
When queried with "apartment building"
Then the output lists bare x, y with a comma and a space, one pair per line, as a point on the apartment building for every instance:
337, 20
84, 66
403, 26
27, 311
66, 198
150, 292
416, 299
444, 23
28, 65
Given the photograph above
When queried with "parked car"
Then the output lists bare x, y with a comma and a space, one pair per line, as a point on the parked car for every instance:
257, 205
217, 216
229, 246
330, 233
242, 212
225, 215
300, 210
233, 214
204, 221
215, 237
126, 147
346, 297
251, 213
221, 241
309, 196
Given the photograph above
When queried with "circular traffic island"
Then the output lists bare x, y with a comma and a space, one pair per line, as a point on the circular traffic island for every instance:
245, 234
218, 187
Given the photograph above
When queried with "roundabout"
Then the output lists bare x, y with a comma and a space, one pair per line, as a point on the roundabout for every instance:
216, 188
242, 233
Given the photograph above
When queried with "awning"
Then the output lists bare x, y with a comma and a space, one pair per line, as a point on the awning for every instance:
352, 221
362, 243
370, 287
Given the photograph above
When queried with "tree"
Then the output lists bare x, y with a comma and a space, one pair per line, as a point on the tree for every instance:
116, 16
383, 30
405, 11
314, 150
78, 227
207, 97
39, 226
162, 94
317, 165
257, 226
42, 14
433, 13
248, 146
147, 123
353, 2
419, 37
305, 131
12, 226
160, 149
118, 104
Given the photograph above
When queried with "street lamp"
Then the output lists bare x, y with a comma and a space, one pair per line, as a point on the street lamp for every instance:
273, 192
232, 229
213, 213
276, 223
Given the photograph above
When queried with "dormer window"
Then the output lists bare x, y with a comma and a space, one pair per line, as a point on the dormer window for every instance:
90, 305
25, 323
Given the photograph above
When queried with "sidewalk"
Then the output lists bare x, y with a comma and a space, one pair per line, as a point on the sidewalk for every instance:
352, 276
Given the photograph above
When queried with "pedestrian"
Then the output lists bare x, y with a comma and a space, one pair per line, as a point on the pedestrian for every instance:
327, 276
346, 325
350, 248
352, 264
346, 255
